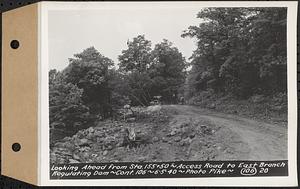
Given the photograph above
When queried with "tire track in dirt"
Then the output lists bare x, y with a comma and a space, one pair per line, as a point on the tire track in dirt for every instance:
265, 141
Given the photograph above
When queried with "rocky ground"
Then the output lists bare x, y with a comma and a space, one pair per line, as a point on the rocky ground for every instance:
165, 138
270, 109
173, 133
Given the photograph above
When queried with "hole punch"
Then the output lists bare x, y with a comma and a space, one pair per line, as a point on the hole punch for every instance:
16, 147
14, 44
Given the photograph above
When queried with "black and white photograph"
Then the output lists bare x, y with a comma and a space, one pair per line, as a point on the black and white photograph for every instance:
207, 84
149, 94
168, 84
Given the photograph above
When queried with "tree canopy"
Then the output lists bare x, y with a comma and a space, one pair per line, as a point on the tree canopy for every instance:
240, 51
90, 88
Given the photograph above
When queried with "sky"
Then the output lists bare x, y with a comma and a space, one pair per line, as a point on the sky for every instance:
72, 31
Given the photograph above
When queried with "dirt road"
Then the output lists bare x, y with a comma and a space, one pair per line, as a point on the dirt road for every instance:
247, 139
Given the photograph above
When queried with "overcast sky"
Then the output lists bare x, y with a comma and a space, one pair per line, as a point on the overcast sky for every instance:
71, 31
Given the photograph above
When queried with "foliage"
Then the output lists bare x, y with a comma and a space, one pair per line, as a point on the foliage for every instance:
167, 71
66, 111
89, 71
137, 57
119, 89
152, 72
89, 87
240, 51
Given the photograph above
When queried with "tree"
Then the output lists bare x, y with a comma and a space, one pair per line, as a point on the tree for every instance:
67, 114
137, 57
240, 53
167, 71
268, 48
149, 73
134, 64
119, 88
219, 37
89, 71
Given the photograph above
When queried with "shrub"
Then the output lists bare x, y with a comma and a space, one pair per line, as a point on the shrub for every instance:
67, 114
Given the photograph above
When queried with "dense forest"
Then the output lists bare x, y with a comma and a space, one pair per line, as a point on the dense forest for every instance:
240, 53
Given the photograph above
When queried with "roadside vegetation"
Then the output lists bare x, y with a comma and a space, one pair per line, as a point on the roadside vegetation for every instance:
240, 63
